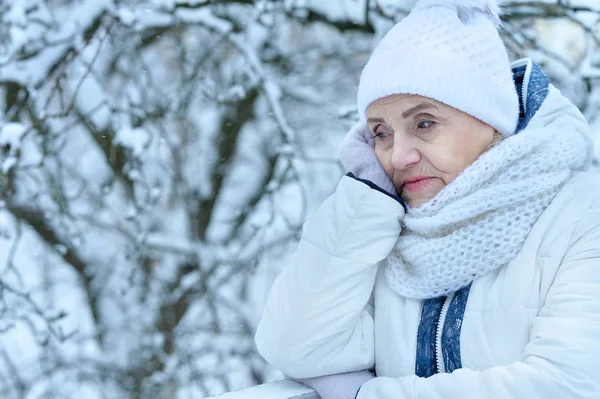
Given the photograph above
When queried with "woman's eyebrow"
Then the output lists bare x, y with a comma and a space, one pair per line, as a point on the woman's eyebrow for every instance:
416, 109
375, 120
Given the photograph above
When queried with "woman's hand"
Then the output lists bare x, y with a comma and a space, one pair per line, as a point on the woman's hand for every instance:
358, 156
338, 386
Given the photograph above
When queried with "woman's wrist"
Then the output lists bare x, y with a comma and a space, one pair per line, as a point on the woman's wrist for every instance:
382, 190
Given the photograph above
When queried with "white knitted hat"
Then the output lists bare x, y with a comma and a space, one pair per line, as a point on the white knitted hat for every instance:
450, 51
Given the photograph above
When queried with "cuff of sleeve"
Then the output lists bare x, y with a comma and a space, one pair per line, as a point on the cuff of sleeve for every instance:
360, 387
361, 390
377, 188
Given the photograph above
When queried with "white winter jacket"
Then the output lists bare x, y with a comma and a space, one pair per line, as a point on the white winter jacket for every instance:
531, 329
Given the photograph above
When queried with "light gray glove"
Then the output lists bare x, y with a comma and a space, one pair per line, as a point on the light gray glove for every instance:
358, 156
338, 386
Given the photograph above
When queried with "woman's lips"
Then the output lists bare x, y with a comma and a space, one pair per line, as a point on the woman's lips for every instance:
417, 185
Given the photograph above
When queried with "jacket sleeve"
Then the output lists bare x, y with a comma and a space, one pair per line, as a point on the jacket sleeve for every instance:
562, 358
315, 322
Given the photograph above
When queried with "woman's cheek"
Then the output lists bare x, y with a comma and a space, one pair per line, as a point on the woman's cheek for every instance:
385, 159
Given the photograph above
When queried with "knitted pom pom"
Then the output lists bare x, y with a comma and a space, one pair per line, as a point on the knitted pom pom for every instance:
467, 9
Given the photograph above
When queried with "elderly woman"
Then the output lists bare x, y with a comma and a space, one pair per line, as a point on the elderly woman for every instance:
460, 258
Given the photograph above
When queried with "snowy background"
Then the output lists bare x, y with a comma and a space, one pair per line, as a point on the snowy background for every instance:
157, 160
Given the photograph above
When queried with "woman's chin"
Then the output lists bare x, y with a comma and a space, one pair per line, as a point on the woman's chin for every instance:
416, 202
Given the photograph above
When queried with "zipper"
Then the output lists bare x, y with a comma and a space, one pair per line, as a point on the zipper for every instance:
439, 356
528, 64
525, 87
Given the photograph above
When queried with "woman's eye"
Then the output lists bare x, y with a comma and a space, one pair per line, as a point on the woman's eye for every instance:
424, 124
381, 135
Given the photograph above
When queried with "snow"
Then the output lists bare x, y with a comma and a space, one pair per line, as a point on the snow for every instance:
18, 150
203, 16
33, 71
89, 95
340, 10
11, 134
135, 139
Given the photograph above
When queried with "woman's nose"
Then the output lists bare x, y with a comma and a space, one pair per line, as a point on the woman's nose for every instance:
404, 154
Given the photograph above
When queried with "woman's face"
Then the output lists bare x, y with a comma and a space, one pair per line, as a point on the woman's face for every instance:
423, 144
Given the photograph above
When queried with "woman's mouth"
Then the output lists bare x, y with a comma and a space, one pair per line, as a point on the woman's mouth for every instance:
416, 183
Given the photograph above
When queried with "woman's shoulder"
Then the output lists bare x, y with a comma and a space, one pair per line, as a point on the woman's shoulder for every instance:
582, 195
574, 211
581, 192
568, 228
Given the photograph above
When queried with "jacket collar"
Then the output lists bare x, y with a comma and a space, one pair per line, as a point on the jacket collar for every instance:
532, 87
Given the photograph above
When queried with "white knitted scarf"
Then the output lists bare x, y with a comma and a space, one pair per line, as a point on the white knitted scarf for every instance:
480, 221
